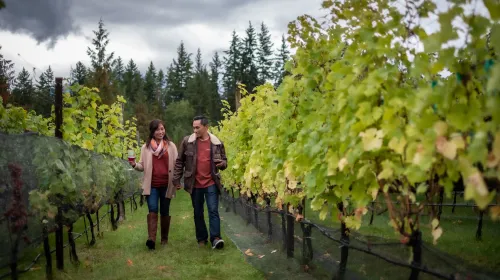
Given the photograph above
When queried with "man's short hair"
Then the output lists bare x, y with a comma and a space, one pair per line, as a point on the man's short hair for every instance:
203, 120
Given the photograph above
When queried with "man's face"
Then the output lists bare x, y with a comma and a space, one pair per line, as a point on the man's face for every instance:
199, 129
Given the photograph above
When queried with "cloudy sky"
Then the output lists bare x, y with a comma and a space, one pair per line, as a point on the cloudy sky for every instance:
39, 33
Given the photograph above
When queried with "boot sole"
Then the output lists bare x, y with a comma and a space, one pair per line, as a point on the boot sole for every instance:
150, 244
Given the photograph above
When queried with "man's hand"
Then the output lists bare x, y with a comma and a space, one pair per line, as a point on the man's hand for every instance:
220, 164
178, 187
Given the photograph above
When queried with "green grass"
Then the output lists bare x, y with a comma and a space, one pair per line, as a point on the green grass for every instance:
458, 238
122, 254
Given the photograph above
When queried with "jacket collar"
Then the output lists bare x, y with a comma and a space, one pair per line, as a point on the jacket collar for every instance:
213, 139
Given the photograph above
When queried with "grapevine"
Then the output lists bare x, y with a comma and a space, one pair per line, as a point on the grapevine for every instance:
364, 113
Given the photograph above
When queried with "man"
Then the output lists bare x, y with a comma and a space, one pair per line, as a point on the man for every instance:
201, 156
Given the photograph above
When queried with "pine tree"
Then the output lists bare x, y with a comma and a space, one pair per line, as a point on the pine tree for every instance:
216, 104
248, 61
132, 82
102, 65
178, 74
79, 74
264, 53
118, 70
232, 71
198, 87
7, 77
150, 83
280, 61
44, 98
22, 94
161, 82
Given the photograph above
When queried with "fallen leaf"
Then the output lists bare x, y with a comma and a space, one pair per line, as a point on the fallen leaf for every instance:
248, 252
35, 268
161, 267
274, 251
237, 235
436, 234
261, 256
129, 262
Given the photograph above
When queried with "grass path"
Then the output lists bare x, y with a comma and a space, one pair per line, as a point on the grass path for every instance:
122, 254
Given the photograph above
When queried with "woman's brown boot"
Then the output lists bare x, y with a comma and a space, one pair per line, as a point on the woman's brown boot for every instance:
165, 226
152, 228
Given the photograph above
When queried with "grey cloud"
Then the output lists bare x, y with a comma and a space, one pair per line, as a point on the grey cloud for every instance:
51, 20
157, 12
44, 20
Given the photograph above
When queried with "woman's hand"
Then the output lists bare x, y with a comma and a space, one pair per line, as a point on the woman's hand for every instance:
132, 163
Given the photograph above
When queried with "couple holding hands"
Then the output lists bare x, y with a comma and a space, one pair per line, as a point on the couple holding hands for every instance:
199, 160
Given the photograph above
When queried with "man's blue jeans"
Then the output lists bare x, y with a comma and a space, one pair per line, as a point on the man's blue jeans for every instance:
198, 198
152, 199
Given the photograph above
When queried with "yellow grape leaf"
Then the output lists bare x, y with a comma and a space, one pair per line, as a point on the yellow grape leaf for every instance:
372, 139
495, 213
87, 144
333, 162
352, 223
374, 193
494, 157
458, 140
398, 145
440, 128
476, 181
419, 154
292, 185
387, 172
323, 212
436, 233
342, 163
446, 148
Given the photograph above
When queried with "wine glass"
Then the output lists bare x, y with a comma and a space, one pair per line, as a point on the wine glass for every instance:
131, 157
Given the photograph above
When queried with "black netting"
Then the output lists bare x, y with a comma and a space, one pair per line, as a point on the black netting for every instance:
22, 154
317, 249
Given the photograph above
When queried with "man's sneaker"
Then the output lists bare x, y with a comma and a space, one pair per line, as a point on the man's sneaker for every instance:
218, 243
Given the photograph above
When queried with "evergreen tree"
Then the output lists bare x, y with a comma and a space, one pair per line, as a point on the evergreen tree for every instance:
161, 82
22, 94
102, 65
118, 70
264, 53
132, 82
7, 77
178, 75
232, 71
216, 104
280, 60
248, 60
150, 84
45, 88
198, 87
79, 74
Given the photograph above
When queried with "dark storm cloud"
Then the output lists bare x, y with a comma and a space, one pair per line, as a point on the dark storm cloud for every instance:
51, 20
44, 20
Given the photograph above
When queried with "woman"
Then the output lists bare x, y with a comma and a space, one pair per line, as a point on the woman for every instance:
157, 161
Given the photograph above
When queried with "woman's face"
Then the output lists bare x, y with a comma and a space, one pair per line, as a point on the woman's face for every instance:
159, 133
